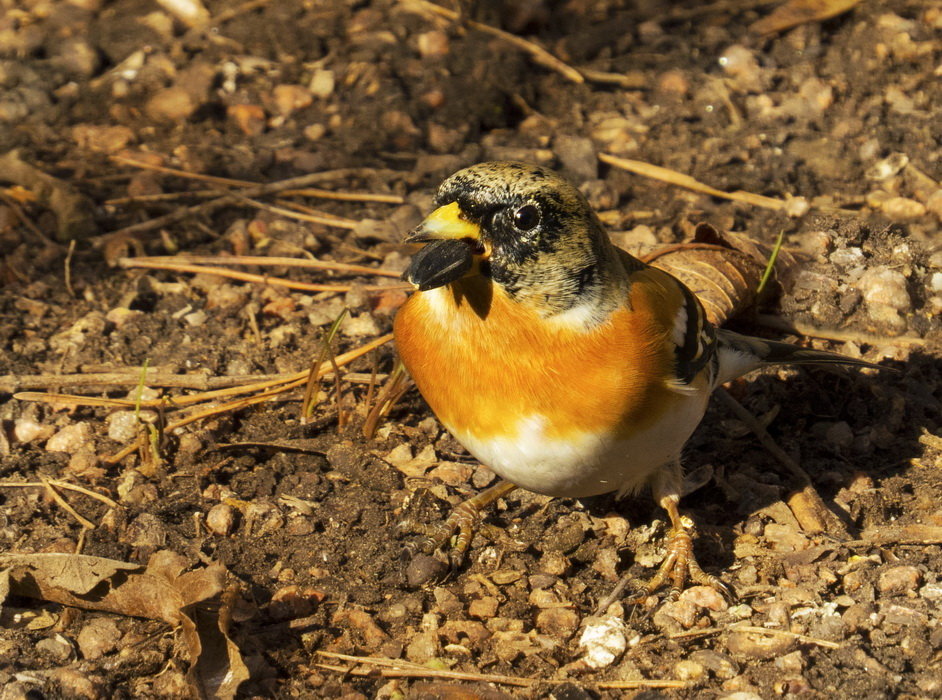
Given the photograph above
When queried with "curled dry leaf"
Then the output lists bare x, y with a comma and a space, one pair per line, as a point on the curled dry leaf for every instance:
163, 590
723, 269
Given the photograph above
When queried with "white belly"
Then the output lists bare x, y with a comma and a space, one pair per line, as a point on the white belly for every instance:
587, 464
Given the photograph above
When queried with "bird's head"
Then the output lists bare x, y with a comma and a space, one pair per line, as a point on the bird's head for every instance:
522, 227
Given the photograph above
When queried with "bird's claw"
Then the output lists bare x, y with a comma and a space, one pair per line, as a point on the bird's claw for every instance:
679, 568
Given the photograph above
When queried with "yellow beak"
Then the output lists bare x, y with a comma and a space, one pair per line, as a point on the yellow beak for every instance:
444, 223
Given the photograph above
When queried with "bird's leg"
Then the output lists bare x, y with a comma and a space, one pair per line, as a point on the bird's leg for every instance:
680, 565
460, 523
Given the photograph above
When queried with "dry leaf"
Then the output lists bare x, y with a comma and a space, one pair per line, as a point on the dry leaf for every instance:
75, 573
796, 12
162, 590
723, 269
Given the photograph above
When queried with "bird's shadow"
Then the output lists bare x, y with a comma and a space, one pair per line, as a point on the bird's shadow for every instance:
851, 431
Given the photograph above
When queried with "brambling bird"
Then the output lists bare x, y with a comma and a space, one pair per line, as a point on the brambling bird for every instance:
566, 365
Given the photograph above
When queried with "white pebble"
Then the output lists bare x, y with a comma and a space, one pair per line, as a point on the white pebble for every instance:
70, 439
604, 640
886, 287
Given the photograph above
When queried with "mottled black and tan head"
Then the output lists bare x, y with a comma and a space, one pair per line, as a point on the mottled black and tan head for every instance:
524, 227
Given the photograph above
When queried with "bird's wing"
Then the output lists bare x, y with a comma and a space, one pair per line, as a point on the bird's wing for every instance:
686, 326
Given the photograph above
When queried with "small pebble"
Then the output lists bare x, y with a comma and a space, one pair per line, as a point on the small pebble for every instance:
741, 65
903, 209
322, 83
423, 647
793, 662
840, 435
70, 439
483, 608
705, 597
886, 168
58, 647
558, 622
899, 579
99, 637
423, 569
123, 426
294, 601
433, 44
720, 664
604, 640
886, 287
759, 646
677, 615
687, 670
173, 104
221, 519
290, 98
27, 429
931, 591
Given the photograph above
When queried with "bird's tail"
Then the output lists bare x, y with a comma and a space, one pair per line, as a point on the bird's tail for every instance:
739, 354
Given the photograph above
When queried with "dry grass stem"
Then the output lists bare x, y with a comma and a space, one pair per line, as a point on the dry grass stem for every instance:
64, 504
61, 485
537, 52
805, 639
318, 217
806, 503
673, 177
396, 668
250, 277
231, 182
268, 389
229, 198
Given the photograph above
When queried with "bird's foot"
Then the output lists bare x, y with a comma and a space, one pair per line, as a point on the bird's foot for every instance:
452, 535
680, 567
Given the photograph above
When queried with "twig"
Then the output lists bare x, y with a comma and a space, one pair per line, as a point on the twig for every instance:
64, 504
680, 179
126, 377
842, 336
807, 491
757, 630
537, 52
68, 268
317, 218
250, 277
234, 197
59, 484
263, 261
805, 639
25, 220
270, 389
345, 196
306, 192
392, 668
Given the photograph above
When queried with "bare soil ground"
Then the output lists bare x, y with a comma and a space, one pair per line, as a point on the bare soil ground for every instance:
841, 118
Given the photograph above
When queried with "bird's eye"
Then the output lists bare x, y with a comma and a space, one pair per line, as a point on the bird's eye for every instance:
527, 217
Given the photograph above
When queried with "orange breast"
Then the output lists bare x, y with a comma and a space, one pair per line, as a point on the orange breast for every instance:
483, 362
